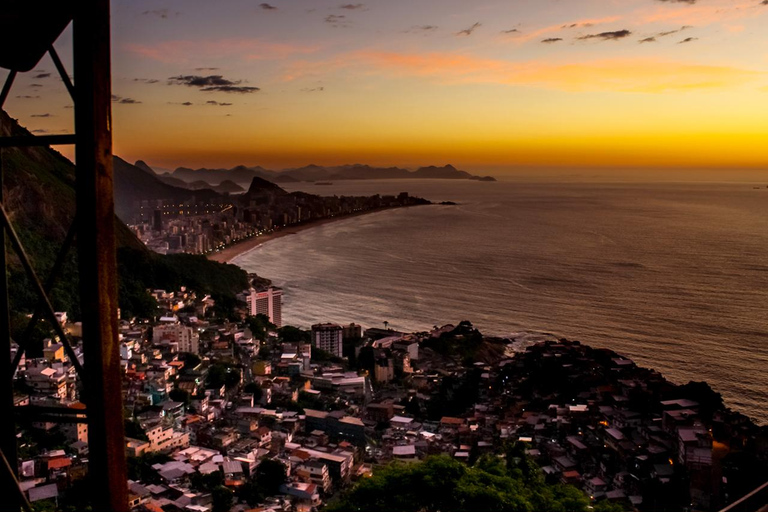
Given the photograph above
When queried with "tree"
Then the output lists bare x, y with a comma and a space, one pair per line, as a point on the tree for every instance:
609, 506
442, 483
260, 326
134, 431
222, 499
290, 334
254, 389
270, 475
179, 395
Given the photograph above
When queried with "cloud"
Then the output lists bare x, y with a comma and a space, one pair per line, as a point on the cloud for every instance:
124, 101
206, 69
160, 13
653, 38
468, 31
695, 13
211, 50
607, 36
212, 83
213, 102
635, 75
541, 33
42, 115
425, 28
40, 76
146, 80
551, 40
510, 31
268, 7
27, 97
313, 89
337, 20
678, 1
35, 85
187, 103
688, 40
351, 7
40, 131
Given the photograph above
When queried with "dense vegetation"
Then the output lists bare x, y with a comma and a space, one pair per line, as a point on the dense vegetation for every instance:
40, 199
141, 269
513, 483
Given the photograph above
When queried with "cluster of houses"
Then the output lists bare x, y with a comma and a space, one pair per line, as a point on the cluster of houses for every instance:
211, 400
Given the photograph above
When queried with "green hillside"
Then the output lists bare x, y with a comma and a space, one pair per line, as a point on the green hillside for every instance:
40, 199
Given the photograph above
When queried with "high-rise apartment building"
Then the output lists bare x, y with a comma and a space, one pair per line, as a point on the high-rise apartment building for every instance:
266, 301
328, 337
187, 337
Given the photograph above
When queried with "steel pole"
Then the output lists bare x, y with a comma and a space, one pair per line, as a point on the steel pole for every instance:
96, 256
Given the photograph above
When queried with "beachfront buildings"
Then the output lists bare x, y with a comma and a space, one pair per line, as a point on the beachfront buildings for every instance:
328, 337
266, 301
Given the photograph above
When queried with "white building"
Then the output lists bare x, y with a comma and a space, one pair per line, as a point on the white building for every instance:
187, 338
328, 337
266, 301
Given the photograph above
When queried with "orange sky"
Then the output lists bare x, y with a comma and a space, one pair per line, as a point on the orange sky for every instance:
485, 85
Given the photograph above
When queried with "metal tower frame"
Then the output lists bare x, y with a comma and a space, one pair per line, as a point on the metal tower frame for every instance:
94, 231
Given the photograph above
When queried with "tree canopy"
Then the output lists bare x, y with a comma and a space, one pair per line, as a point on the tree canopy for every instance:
443, 483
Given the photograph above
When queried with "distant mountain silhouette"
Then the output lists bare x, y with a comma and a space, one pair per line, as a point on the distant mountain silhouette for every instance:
141, 164
228, 187
134, 185
313, 172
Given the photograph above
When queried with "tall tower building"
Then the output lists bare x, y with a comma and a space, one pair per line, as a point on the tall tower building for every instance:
328, 337
266, 301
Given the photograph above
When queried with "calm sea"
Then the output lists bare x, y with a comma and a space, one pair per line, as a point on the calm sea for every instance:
673, 275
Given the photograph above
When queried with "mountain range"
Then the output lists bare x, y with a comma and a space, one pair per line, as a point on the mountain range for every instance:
243, 175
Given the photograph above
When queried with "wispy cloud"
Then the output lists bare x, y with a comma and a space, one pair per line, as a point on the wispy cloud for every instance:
160, 13
212, 83
351, 7
617, 75
267, 7
183, 51
124, 101
470, 30
549, 31
607, 36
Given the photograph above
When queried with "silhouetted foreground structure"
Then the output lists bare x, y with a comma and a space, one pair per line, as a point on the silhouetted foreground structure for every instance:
28, 30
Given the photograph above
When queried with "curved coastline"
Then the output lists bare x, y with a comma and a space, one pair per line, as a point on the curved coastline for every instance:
229, 253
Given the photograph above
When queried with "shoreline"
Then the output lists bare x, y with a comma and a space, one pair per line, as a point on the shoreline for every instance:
231, 252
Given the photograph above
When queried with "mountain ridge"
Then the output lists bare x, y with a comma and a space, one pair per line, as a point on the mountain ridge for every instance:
242, 174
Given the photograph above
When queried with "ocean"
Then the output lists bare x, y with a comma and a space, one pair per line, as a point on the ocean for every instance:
673, 275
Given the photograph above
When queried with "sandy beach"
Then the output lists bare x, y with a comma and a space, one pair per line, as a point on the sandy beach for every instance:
229, 253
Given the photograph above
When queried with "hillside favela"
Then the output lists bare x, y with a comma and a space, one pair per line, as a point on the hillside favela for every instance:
401, 256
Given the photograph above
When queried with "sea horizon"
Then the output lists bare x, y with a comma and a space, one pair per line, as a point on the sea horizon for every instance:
572, 294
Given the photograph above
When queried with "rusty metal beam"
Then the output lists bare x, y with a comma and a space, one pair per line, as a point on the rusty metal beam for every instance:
37, 140
62, 72
15, 497
7, 87
96, 256
8, 424
48, 310
60, 260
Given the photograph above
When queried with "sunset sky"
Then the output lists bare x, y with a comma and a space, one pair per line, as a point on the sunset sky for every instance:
485, 85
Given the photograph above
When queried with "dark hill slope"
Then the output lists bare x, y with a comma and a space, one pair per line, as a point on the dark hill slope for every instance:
40, 199
133, 185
